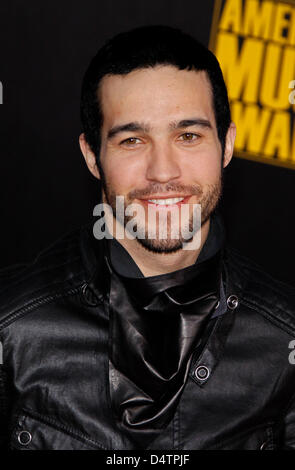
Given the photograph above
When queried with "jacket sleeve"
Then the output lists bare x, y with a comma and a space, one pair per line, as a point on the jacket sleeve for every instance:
3, 410
288, 431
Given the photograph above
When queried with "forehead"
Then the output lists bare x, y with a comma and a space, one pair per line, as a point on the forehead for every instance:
155, 94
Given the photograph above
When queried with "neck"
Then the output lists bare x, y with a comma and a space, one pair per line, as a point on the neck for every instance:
154, 264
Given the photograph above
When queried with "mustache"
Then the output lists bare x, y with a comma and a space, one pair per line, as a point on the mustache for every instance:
169, 187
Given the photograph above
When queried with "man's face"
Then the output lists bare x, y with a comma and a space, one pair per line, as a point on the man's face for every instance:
160, 149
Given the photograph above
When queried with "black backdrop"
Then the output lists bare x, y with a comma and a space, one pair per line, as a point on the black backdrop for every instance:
46, 189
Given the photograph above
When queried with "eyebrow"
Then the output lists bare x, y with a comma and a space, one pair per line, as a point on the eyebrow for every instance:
191, 122
137, 126
129, 127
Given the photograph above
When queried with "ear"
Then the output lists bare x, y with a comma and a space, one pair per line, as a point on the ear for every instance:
229, 144
89, 156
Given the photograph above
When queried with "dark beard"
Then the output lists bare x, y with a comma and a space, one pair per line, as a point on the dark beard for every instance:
208, 202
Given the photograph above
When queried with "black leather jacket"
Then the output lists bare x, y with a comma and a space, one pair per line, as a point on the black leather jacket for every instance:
54, 388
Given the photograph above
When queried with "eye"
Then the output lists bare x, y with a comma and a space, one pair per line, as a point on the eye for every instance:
189, 137
130, 141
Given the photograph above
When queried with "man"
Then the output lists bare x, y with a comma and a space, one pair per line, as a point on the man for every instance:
144, 341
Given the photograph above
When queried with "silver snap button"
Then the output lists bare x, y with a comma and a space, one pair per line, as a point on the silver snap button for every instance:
202, 372
24, 438
232, 302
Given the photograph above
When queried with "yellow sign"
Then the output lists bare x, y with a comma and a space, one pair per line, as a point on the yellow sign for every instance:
254, 42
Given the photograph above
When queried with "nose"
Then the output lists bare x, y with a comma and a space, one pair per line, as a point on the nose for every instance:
163, 164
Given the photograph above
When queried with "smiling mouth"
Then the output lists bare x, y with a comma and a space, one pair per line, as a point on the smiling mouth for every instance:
166, 202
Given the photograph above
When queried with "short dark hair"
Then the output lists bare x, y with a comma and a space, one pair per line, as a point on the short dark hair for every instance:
145, 47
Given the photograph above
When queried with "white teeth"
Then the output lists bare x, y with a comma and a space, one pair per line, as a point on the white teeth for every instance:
167, 202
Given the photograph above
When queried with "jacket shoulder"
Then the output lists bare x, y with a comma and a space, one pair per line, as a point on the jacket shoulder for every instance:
56, 271
261, 291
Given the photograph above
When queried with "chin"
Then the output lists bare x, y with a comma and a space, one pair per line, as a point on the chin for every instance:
161, 246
